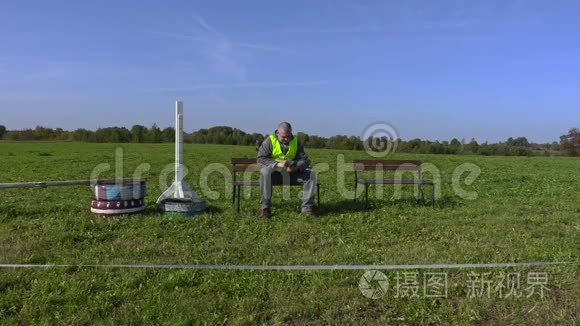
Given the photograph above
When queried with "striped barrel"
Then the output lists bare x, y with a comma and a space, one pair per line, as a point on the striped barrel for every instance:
120, 191
105, 208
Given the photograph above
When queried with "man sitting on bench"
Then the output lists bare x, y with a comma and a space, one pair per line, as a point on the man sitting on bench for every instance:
283, 161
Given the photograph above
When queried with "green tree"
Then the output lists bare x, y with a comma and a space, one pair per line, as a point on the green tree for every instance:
570, 143
413, 145
455, 146
518, 142
316, 142
83, 135
154, 134
473, 146
43, 133
113, 135
138, 134
168, 135
484, 149
2, 131
60, 134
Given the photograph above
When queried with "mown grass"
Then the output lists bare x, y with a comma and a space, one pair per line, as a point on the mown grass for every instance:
527, 209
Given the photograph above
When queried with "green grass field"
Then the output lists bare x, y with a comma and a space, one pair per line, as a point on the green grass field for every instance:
527, 210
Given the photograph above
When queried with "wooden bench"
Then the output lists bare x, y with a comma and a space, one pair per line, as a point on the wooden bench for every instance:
390, 165
242, 165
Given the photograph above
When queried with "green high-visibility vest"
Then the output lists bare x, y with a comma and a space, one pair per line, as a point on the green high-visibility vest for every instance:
277, 153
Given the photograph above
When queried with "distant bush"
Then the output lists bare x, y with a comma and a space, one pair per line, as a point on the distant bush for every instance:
569, 144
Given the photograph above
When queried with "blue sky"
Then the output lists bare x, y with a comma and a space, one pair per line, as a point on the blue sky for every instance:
432, 69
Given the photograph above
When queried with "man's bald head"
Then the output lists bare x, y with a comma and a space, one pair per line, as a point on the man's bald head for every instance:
285, 126
284, 132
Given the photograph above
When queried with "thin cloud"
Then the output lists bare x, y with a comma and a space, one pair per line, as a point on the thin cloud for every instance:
225, 55
373, 29
180, 36
264, 48
204, 86
209, 29
244, 45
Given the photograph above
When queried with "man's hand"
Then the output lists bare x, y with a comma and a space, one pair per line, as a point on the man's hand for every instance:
291, 169
281, 165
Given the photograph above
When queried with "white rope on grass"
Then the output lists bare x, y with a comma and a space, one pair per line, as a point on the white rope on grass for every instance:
292, 267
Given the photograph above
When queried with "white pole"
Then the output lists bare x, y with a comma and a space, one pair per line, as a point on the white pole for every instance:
180, 190
178, 141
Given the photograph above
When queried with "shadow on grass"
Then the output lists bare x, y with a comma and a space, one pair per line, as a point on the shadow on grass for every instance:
350, 206
346, 206
409, 202
448, 202
341, 207
211, 209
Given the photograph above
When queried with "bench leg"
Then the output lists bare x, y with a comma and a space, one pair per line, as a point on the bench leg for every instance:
421, 192
433, 196
233, 195
239, 198
366, 196
355, 188
318, 194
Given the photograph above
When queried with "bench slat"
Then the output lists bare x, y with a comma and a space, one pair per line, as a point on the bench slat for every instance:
379, 167
395, 181
257, 183
246, 168
388, 162
247, 183
242, 160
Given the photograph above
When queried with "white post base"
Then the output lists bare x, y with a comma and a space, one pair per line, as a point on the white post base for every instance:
177, 190
180, 191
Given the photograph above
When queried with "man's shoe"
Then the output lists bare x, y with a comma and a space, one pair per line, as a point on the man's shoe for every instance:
266, 213
309, 212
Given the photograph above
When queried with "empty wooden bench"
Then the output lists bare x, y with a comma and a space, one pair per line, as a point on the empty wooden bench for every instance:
242, 165
390, 165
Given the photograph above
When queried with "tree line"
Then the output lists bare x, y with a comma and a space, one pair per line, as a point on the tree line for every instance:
569, 143
137, 134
